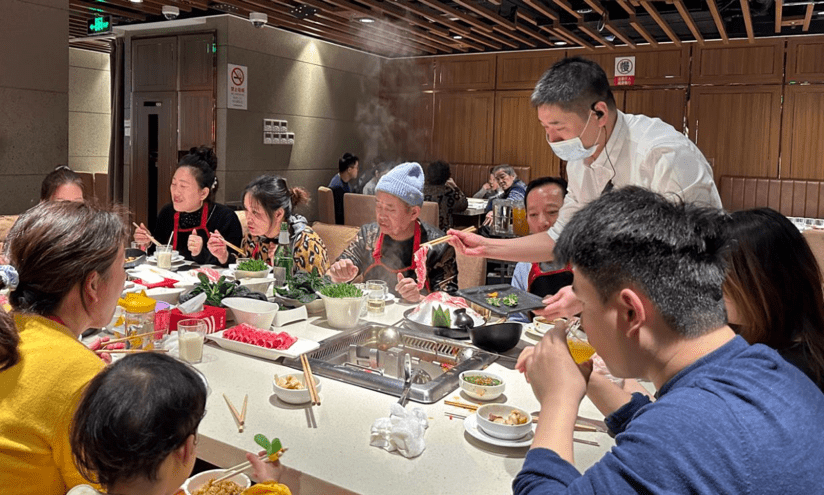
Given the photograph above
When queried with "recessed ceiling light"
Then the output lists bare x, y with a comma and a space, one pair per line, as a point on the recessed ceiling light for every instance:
366, 20
457, 37
560, 43
585, 10
136, 1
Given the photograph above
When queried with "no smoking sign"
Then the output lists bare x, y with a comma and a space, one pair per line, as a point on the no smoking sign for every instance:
237, 87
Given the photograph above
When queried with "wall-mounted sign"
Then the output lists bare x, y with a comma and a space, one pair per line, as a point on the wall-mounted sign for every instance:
624, 71
238, 79
101, 24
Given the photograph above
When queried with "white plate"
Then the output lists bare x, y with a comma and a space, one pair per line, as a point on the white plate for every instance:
177, 259
533, 331
471, 427
300, 347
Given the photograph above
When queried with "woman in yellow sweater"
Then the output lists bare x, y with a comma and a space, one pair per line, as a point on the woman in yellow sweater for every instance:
69, 257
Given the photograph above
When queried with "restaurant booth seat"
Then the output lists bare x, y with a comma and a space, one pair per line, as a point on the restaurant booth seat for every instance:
790, 197
359, 209
326, 205
815, 238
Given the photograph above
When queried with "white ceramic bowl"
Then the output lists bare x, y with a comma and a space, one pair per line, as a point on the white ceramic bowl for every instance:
259, 314
344, 312
482, 392
294, 396
499, 430
241, 274
165, 294
543, 325
257, 284
200, 479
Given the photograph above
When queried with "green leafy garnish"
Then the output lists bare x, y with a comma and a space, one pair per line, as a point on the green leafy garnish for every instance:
339, 291
252, 266
441, 317
510, 300
303, 286
493, 301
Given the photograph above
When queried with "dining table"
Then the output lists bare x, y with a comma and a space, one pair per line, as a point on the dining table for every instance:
329, 449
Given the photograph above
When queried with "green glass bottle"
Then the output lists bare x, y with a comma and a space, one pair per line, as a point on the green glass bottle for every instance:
283, 254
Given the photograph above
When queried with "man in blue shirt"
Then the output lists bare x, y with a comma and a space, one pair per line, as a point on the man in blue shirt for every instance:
729, 418
347, 170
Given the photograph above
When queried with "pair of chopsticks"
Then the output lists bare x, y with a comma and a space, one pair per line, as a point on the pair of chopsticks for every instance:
474, 407
128, 351
128, 337
246, 465
309, 378
579, 440
240, 251
441, 240
154, 241
240, 418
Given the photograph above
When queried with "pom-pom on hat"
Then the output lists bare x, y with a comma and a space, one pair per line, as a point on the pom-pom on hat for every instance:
404, 181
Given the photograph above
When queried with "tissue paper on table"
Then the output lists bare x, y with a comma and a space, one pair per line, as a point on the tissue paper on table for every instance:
402, 431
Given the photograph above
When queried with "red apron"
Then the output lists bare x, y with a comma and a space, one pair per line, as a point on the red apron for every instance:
378, 264
204, 217
544, 284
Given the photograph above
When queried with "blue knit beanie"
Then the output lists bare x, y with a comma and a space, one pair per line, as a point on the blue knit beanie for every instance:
404, 181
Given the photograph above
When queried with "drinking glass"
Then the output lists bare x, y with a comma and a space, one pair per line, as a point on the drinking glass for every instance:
578, 344
190, 339
376, 300
163, 254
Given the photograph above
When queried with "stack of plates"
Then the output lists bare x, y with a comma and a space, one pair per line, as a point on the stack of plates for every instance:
177, 260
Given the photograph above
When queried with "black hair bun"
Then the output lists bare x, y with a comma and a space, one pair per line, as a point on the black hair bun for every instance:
205, 154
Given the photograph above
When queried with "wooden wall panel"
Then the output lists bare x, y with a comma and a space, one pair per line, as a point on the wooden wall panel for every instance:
407, 75
154, 64
668, 105
462, 130
522, 70
519, 137
196, 117
465, 72
802, 145
197, 62
805, 59
761, 62
737, 128
668, 65
411, 127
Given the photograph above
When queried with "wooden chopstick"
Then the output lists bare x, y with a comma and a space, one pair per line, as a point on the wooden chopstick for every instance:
239, 250
309, 378
123, 339
150, 236
474, 407
246, 465
441, 240
127, 351
235, 414
243, 409
451, 415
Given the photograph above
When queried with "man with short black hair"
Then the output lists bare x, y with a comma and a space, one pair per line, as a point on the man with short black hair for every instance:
347, 170
729, 417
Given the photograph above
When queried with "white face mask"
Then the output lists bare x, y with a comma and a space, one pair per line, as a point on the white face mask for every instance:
573, 149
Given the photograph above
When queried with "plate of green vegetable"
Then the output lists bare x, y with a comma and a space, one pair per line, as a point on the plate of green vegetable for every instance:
302, 290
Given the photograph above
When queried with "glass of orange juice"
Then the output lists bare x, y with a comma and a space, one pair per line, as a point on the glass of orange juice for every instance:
578, 344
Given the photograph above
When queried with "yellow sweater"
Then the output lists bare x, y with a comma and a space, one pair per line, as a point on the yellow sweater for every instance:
38, 396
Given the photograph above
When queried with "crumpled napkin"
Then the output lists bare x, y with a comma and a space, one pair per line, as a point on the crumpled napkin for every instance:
402, 431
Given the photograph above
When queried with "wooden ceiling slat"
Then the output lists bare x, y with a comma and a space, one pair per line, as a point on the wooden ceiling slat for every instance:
569, 8
594, 34
651, 10
437, 17
745, 13
719, 23
158, 5
484, 12
81, 6
504, 41
633, 21
475, 23
808, 17
779, 7
620, 35
571, 37
390, 10
520, 39
626, 6
346, 27
682, 9
543, 10
600, 9
137, 7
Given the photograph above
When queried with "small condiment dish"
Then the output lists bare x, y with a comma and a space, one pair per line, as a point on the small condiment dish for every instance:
542, 325
501, 430
290, 395
192, 484
479, 391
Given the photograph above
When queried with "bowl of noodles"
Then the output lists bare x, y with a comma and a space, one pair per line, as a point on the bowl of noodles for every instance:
203, 483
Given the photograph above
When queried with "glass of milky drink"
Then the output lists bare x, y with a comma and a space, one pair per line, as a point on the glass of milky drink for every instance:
164, 257
190, 339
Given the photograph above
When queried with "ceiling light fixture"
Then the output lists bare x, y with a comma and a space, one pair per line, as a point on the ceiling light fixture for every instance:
584, 11
457, 37
560, 43
136, 1
366, 20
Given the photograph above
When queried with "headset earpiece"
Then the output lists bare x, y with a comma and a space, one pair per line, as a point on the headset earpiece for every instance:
598, 113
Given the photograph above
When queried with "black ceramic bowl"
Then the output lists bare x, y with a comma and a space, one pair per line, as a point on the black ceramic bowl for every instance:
138, 255
499, 337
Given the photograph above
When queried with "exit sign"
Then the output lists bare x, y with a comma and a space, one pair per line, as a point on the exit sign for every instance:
100, 25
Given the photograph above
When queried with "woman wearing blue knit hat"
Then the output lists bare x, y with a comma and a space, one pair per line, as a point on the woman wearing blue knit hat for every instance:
384, 249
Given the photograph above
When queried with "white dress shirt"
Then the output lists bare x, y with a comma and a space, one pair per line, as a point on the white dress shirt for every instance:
645, 152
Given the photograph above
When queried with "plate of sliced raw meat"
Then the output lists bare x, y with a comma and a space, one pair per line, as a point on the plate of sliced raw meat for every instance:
266, 344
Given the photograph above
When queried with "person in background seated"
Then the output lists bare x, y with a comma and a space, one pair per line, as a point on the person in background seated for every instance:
347, 170
730, 417
194, 218
62, 184
380, 171
135, 430
269, 201
441, 189
489, 189
69, 258
543, 200
510, 185
384, 250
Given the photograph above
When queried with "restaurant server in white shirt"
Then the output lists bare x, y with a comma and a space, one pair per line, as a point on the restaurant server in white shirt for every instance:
603, 148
